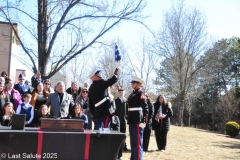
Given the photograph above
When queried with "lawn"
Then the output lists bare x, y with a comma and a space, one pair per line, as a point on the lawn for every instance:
193, 144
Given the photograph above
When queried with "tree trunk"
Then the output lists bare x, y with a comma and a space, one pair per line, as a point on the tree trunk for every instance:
180, 111
213, 111
42, 37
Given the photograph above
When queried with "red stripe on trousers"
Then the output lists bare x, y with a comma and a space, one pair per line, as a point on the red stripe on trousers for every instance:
39, 144
87, 145
106, 122
138, 137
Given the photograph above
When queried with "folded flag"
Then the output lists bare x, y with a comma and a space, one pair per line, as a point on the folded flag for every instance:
117, 57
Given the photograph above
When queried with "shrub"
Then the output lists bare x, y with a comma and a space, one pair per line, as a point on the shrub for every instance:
232, 128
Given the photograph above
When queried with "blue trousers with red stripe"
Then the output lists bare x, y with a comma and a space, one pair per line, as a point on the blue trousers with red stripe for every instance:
105, 121
136, 137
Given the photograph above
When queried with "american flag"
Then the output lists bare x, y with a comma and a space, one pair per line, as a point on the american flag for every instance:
117, 57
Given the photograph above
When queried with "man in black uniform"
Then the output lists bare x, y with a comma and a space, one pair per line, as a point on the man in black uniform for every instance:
137, 113
120, 103
99, 102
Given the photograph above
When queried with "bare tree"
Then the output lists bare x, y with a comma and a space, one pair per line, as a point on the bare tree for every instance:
180, 42
45, 26
107, 64
143, 62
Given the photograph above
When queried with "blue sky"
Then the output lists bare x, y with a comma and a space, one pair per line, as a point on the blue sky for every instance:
222, 18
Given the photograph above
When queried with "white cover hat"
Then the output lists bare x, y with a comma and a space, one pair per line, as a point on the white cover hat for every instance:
94, 71
137, 79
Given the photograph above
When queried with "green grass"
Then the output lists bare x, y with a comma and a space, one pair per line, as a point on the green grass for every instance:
193, 144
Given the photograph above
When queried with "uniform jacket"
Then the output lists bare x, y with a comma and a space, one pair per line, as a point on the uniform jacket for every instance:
137, 99
163, 124
17, 99
22, 89
97, 91
150, 115
121, 110
57, 109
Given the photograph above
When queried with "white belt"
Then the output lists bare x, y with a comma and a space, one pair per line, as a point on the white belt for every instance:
135, 109
100, 102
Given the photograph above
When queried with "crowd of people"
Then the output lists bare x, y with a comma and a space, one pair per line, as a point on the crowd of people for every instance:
40, 100
91, 103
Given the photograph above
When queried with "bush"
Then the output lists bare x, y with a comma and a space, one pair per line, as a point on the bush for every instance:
232, 128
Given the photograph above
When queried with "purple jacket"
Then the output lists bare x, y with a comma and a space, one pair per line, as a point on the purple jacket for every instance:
17, 99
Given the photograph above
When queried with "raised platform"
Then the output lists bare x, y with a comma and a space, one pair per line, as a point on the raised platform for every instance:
36, 144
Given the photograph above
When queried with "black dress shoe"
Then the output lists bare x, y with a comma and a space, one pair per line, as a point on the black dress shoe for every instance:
126, 149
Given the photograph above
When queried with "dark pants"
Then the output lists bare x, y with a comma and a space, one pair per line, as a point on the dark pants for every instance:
146, 138
161, 139
102, 122
123, 130
136, 136
89, 115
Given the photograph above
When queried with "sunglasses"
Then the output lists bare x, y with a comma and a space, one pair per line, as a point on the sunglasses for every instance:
21, 79
47, 83
84, 91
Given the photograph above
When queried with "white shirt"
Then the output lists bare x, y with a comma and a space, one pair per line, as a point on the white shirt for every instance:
160, 109
26, 106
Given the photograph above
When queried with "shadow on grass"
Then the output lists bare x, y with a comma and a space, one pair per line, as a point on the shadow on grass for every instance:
216, 132
232, 145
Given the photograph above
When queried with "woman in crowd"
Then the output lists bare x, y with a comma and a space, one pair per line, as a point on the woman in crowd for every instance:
5, 75
13, 94
148, 128
39, 97
6, 117
42, 113
3, 97
78, 114
47, 86
83, 100
161, 121
74, 90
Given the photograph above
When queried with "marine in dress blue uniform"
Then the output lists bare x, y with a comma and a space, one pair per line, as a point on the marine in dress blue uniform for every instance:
137, 113
99, 101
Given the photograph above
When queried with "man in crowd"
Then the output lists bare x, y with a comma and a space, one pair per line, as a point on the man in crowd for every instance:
21, 87
61, 102
37, 79
99, 101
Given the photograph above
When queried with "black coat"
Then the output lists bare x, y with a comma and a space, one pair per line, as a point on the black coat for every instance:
150, 115
7, 122
97, 91
35, 82
121, 110
69, 91
163, 124
2, 102
135, 100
